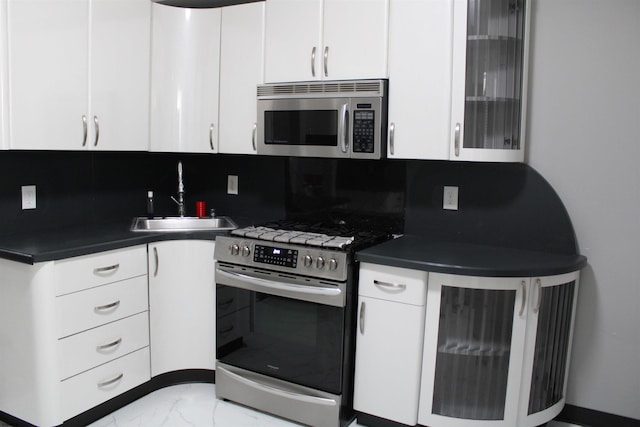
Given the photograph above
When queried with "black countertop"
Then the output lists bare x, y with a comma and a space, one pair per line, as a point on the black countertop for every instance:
422, 253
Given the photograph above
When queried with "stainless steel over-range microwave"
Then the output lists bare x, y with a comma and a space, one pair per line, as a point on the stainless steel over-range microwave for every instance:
341, 119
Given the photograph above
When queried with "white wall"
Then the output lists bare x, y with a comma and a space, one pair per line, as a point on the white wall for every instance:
584, 138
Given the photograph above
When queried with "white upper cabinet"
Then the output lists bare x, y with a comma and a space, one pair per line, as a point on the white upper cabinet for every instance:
325, 40
4, 84
79, 74
241, 59
420, 50
185, 69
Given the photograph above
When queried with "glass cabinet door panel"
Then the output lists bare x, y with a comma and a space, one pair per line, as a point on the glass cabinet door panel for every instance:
472, 360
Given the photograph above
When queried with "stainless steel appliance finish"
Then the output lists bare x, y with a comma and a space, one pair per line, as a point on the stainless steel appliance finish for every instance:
339, 119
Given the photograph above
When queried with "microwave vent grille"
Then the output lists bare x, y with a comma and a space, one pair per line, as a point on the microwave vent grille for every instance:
372, 87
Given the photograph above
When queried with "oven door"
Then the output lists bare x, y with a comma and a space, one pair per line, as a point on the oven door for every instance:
290, 337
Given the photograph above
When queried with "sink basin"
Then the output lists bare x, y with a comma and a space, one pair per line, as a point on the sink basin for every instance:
187, 223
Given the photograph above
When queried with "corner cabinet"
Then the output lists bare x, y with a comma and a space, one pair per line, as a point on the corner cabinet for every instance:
98, 97
185, 70
325, 40
496, 350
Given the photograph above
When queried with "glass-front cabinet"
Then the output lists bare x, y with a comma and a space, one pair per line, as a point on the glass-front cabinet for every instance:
489, 80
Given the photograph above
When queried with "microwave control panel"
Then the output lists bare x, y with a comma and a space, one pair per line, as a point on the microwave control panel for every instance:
363, 131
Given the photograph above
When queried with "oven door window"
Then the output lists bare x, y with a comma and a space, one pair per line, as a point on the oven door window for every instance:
301, 127
296, 341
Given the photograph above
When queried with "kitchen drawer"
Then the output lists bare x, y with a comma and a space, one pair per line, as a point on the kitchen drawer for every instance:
97, 306
232, 326
229, 299
81, 352
100, 384
88, 271
393, 284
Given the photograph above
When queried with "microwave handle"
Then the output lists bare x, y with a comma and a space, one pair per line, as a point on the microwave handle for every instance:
343, 128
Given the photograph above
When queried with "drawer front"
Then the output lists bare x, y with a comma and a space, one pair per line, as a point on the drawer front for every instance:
393, 284
100, 384
97, 306
230, 299
81, 352
88, 271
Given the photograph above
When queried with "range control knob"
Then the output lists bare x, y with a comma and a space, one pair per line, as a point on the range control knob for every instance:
320, 262
234, 249
308, 261
333, 264
246, 251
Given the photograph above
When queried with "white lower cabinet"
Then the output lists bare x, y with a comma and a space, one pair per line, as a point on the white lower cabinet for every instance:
182, 309
391, 311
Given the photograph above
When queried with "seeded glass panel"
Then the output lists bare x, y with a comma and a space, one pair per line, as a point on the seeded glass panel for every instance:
552, 343
474, 345
495, 31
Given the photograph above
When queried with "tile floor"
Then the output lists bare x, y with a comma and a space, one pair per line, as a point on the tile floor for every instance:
195, 405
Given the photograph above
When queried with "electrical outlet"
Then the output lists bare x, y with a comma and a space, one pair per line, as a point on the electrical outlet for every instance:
450, 198
232, 184
28, 197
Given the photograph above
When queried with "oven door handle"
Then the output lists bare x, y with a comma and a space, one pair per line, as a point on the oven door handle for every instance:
258, 284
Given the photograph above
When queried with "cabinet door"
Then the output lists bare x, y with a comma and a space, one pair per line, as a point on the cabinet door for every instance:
48, 67
355, 39
182, 305
474, 340
120, 50
241, 58
548, 347
4, 82
185, 57
420, 89
293, 40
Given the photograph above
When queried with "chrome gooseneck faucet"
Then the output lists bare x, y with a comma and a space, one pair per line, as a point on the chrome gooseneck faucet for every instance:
180, 201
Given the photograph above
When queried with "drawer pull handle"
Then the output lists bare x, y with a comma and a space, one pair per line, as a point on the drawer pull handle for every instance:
107, 269
111, 381
396, 286
109, 345
225, 331
106, 307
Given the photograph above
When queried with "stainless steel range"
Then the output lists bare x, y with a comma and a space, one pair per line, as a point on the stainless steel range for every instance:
286, 313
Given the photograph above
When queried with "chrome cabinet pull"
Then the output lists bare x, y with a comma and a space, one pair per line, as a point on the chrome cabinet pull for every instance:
157, 260
539, 286
85, 130
111, 381
523, 285
96, 124
253, 136
326, 61
109, 345
344, 128
456, 140
362, 306
107, 269
107, 307
211, 136
392, 134
396, 286
313, 62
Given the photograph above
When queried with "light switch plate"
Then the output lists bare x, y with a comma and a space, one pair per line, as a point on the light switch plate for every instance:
28, 197
450, 198
232, 184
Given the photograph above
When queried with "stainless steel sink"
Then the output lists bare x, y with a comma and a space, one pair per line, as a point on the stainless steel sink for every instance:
187, 223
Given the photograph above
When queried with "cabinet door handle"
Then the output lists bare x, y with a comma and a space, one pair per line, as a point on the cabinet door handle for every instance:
107, 307
157, 261
456, 140
253, 136
326, 61
96, 124
396, 286
313, 62
362, 307
109, 345
392, 138
107, 269
211, 128
110, 381
523, 285
539, 287
85, 130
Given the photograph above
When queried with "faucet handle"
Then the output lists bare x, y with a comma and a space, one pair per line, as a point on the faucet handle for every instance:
213, 213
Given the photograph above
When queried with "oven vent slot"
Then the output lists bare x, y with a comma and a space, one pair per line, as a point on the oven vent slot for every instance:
369, 87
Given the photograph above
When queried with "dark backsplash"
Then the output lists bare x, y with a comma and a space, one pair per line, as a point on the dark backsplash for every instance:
508, 205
